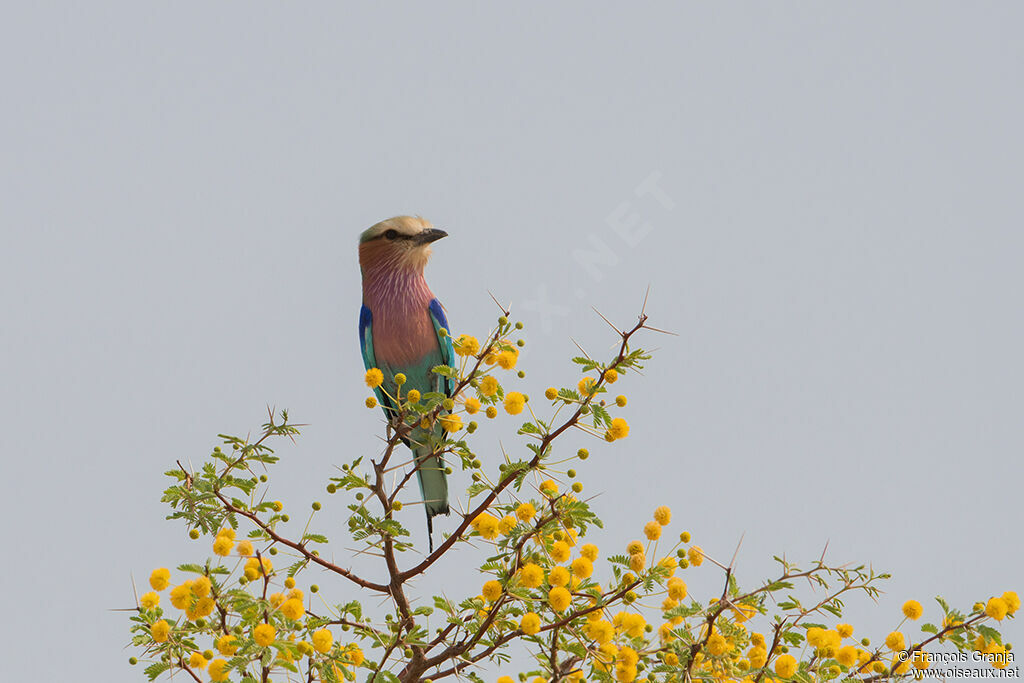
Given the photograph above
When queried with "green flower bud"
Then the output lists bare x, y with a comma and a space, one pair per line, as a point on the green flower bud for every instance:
193, 534
316, 505
331, 488
583, 454
571, 474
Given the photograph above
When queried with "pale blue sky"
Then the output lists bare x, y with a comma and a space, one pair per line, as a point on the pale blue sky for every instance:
836, 239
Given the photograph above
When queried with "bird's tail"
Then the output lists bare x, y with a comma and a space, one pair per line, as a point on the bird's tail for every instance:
433, 487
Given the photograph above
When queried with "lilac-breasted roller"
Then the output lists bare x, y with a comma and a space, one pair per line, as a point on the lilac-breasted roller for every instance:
400, 327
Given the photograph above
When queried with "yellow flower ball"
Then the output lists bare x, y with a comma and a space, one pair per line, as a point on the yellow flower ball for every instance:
202, 607
530, 623
589, 551
149, 600
895, 641
816, 636
634, 547
676, 588
450, 423
505, 679
549, 488
997, 608
487, 525
227, 645
758, 657
160, 630
374, 378
472, 405
619, 428
558, 576
551, 393
222, 546
507, 359
400, 379
181, 595
717, 645
582, 567
507, 524
293, 608
620, 401
514, 402
559, 598
201, 587
847, 655
844, 630
531, 575
491, 591
663, 515
586, 386
218, 670
1012, 601
652, 530
785, 666
912, 609
264, 635
610, 375
465, 345
197, 660
637, 562
600, 631
160, 578
525, 511
491, 412
695, 555
371, 402
355, 655
560, 551
244, 549
413, 396
630, 623
488, 386
322, 641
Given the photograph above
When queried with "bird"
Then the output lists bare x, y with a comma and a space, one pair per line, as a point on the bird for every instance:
403, 329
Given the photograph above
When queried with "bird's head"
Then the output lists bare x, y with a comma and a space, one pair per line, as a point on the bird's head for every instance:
399, 242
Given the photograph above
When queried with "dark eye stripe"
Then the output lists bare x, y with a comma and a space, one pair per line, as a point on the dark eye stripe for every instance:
394, 235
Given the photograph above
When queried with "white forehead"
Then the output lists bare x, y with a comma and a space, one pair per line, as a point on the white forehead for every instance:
403, 225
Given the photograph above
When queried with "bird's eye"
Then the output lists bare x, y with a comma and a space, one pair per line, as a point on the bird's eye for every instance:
391, 234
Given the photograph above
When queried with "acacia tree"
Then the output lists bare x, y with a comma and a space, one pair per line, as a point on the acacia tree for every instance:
544, 595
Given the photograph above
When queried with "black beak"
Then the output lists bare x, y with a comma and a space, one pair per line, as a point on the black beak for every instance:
428, 236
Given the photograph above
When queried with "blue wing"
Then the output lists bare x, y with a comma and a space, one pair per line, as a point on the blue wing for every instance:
366, 347
440, 321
